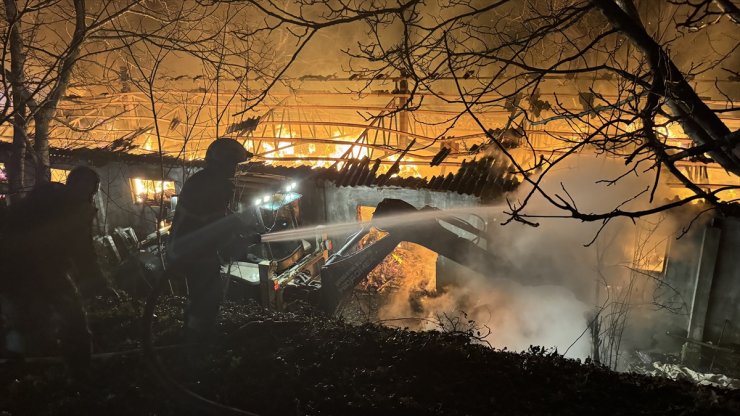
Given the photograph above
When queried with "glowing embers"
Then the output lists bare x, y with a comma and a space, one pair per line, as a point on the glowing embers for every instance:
370, 238
151, 192
409, 269
404, 170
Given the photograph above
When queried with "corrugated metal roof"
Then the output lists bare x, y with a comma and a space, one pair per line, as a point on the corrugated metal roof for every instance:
486, 178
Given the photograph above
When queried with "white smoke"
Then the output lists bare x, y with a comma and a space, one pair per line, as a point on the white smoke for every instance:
546, 296
517, 316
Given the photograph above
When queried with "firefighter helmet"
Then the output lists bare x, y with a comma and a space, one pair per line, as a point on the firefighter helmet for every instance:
83, 182
226, 151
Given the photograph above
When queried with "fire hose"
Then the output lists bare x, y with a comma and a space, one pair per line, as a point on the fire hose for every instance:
160, 372
205, 236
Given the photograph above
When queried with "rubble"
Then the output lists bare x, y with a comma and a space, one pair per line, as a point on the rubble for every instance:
677, 372
302, 363
681, 372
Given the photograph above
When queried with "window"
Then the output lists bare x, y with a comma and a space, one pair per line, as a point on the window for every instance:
149, 192
650, 247
59, 175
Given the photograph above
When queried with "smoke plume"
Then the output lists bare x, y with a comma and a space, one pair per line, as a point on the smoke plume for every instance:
552, 284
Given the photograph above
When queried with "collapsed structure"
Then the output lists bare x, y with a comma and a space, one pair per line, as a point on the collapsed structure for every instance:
337, 159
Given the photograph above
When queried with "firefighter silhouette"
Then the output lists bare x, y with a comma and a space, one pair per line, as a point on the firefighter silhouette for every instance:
46, 239
201, 228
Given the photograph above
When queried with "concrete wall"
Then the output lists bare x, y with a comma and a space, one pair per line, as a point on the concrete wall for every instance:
115, 201
341, 202
340, 205
682, 262
724, 295
704, 268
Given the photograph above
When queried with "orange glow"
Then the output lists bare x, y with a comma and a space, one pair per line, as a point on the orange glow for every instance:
151, 191
59, 175
409, 268
314, 153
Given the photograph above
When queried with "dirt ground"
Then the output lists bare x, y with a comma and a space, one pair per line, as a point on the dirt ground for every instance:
306, 364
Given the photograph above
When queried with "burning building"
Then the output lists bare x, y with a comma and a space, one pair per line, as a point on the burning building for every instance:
457, 126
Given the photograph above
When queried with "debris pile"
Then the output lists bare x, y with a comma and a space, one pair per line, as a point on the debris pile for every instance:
680, 372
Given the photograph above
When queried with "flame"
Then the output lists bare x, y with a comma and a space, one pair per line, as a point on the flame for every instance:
268, 149
150, 190
284, 133
325, 154
410, 268
286, 148
404, 169
283, 149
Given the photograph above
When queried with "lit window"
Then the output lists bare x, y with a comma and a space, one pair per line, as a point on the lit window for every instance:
652, 258
650, 248
150, 192
59, 175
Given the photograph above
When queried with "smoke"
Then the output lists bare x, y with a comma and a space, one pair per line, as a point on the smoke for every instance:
507, 313
551, 285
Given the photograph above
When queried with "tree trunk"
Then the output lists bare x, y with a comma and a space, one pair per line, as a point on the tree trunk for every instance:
16, 168
45, 113
41, 145
16, 165
699, 122
729, 9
